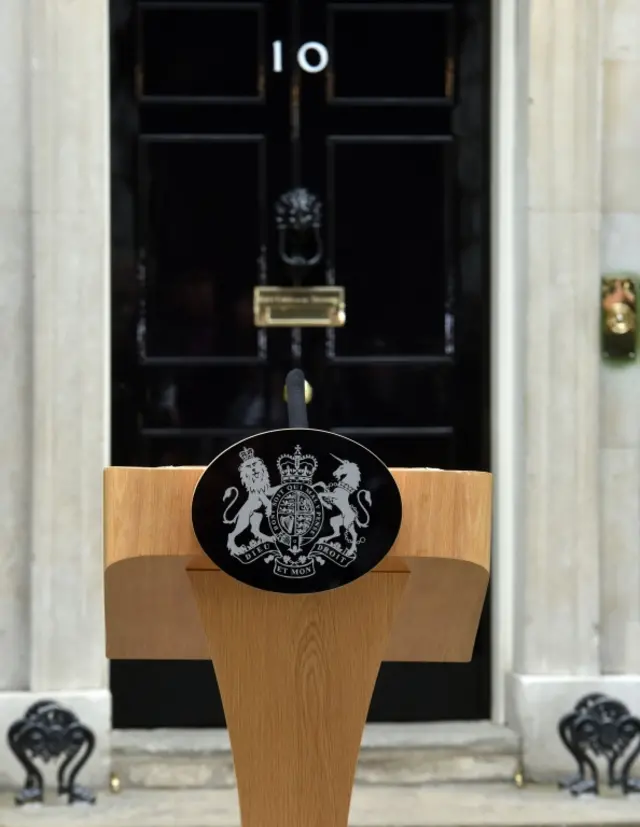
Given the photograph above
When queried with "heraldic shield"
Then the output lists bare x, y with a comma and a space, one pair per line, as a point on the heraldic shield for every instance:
296, 510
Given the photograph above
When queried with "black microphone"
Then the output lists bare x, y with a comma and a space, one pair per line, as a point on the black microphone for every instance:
296, 405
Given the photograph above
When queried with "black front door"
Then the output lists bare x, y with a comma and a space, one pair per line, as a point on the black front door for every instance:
377, 113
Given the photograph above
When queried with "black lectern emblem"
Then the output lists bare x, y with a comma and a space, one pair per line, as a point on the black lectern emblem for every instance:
284, 511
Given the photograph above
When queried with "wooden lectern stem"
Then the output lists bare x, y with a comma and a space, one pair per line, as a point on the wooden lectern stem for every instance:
296, 674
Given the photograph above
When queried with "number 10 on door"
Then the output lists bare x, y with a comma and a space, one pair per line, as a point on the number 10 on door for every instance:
311, 48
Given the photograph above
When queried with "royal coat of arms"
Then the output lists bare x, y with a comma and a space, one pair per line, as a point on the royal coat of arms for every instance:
297, 523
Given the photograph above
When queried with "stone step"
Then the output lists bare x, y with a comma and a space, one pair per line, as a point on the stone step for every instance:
390, 754
436, 805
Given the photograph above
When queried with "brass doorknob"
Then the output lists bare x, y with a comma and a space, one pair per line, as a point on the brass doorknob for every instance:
308, 393
618, 338
620, 318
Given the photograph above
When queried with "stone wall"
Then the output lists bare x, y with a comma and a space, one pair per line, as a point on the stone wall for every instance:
15, 346
620, 385
579, 561
54, 336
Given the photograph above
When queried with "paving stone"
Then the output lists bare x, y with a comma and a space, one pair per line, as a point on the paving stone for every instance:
438, 805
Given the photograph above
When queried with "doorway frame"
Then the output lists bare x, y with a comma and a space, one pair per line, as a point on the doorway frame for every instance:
505, 342
505, 317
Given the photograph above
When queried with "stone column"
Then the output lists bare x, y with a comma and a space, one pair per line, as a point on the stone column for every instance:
620, 384
557, 635
69, 176
15, 346
54, 290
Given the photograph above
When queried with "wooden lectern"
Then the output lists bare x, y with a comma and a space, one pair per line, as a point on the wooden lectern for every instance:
296, 671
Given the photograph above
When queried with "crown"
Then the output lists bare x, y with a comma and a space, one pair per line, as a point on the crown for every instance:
297, 468
246, 454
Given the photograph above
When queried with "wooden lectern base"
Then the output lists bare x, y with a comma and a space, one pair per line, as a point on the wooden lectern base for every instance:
296, 674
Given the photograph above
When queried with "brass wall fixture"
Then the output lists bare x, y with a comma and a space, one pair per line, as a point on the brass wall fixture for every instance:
322, 306
618, 317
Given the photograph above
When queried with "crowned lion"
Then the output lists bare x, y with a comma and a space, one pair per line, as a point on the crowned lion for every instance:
254, 476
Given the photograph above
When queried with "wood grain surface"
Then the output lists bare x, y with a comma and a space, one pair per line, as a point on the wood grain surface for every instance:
444, 542
296, 674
